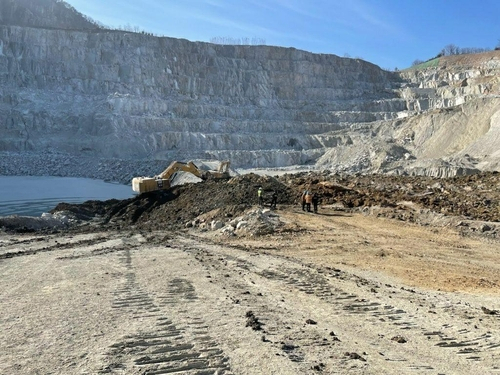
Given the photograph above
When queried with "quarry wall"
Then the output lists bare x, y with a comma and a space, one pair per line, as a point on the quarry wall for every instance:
115, 94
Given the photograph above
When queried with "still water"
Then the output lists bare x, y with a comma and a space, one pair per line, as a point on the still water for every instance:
32, 196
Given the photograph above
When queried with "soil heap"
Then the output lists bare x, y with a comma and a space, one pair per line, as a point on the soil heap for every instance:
474, 197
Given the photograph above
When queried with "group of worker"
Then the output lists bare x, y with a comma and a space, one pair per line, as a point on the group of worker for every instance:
309, 198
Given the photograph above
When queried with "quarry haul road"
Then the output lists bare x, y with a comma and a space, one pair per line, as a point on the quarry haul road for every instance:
333, 293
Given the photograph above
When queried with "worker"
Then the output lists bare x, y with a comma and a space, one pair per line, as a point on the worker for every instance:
259, 194
308, 201
274, 199
303, 198
315, 201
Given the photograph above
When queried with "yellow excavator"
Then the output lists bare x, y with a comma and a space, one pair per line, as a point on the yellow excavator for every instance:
163, 180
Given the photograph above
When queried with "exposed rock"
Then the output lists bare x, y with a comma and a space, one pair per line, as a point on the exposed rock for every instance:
26, 224
216, 225
98, 98
399, 339
354, 355
253, 322
488, 311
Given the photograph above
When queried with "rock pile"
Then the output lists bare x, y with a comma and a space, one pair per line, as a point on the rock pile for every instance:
254, 222
47, 222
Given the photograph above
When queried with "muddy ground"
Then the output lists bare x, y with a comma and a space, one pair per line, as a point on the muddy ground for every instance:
393, 275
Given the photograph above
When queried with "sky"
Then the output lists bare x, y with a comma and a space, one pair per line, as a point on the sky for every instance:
389, 33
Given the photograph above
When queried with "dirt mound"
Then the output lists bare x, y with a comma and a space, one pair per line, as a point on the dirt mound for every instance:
28, 224
472, 197
178, 205
88, 209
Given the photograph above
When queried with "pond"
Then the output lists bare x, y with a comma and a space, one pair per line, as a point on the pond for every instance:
32, 196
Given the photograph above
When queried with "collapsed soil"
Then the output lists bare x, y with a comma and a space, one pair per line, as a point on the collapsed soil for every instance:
474, 197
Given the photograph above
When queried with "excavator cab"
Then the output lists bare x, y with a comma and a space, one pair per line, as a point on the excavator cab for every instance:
146, 184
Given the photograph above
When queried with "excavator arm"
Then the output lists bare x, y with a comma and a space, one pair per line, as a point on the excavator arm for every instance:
162, 181
177, 166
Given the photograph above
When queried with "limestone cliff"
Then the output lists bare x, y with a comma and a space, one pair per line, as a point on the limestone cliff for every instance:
103, 93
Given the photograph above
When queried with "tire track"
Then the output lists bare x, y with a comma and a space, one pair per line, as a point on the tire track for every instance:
324, 284
318, 284
170, 347
40, 248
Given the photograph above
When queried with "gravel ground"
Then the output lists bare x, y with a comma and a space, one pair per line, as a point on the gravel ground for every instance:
334, 292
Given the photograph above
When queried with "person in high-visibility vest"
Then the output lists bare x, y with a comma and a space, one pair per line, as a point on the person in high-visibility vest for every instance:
308, 201
259, 194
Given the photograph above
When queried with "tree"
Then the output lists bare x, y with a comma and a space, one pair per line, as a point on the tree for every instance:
473, 50
450, 49
237, 41
416, 62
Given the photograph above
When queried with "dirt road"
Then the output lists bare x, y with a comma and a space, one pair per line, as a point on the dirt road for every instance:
332, 293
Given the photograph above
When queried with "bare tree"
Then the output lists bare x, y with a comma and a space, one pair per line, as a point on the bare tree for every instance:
473, 50
237, 41
416, 62
258, 41
450, 49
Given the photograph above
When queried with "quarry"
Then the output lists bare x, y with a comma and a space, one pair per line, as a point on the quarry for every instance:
87, 99
397, 272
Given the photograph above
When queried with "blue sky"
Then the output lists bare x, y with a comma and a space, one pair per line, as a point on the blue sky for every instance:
389, 33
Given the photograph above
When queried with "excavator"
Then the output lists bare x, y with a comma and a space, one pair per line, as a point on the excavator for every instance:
163, 180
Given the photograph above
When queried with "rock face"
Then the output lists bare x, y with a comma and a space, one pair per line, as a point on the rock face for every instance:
43, 13
107, 94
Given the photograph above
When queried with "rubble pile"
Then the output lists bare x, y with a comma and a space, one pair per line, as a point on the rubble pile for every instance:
183, 205
254, 222
230, 205
26, 224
